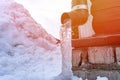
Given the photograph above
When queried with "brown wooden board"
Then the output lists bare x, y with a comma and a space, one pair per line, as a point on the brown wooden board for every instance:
96, 41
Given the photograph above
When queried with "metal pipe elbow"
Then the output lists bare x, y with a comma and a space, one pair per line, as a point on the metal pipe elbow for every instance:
77, 17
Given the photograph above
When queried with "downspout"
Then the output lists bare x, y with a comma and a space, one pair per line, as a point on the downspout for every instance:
78, 13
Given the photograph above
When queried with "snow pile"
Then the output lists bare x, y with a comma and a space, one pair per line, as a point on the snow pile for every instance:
76, 78
27, 52
101, 78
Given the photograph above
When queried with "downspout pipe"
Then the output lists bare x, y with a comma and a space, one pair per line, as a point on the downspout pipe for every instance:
79, 13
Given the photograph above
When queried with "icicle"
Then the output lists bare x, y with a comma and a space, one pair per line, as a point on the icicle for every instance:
66, 49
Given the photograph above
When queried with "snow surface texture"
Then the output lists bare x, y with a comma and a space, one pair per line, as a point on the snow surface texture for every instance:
102, 78
27, 52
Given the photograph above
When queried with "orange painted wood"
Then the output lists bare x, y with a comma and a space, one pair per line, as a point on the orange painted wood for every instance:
97, 41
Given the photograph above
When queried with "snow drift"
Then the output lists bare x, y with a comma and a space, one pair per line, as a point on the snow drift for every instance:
27, 51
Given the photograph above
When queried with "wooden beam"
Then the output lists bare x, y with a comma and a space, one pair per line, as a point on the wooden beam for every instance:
96, 41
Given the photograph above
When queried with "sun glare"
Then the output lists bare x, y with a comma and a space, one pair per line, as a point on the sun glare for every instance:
47, 13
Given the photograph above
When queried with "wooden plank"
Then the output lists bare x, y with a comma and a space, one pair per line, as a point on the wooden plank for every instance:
118, 55
96, 41
101, 55
76, 57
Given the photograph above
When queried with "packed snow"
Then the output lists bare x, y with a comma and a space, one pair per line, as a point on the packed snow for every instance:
102, 78
27, 51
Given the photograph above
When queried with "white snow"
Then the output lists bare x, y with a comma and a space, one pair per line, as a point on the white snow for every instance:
27, 51
101, 78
